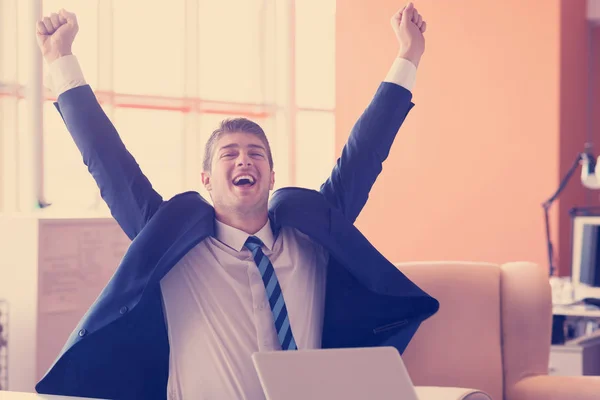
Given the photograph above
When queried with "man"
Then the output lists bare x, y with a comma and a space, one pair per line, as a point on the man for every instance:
203, 287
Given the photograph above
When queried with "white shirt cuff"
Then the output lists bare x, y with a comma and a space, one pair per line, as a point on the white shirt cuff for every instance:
64, 74
403, 73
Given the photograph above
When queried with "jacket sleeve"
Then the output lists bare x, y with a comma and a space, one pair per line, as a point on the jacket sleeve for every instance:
367, 148
127, 192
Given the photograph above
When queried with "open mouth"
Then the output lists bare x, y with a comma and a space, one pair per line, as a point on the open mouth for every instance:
244, 180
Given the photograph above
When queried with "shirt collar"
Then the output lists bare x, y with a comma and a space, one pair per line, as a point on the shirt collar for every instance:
235, 238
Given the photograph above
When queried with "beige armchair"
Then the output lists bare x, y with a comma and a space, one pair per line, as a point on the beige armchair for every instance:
492, 332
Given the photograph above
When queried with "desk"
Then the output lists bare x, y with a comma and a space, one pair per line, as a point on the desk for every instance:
6, 395
583, 310
581, 355
423, 393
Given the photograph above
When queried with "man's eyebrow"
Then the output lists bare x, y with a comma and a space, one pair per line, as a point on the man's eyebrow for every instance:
235, 145
229, 146
257, 146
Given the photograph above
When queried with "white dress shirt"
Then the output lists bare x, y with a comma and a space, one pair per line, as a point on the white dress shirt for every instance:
214, 299
218, 313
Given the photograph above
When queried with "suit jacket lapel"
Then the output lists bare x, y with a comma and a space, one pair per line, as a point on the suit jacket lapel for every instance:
199, 229
309, 212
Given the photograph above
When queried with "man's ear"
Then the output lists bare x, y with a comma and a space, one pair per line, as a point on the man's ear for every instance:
272, 183
206, 180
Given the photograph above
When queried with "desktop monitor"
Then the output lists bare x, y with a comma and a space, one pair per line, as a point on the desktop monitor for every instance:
585, 268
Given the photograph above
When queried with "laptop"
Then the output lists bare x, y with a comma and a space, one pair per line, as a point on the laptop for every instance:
349, 373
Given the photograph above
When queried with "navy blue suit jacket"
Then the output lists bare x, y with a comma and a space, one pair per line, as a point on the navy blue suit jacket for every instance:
120, 347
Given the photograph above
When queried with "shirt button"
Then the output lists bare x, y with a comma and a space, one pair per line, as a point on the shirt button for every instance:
123, 310
82, 332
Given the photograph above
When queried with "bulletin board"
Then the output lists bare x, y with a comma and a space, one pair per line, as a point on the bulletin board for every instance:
77, 258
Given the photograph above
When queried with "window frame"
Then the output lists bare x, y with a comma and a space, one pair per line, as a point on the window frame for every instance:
283, 110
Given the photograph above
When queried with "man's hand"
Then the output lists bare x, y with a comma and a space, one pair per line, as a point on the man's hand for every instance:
55, 35
409, 27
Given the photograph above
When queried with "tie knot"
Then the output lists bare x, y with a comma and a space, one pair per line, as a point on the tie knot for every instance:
253, 243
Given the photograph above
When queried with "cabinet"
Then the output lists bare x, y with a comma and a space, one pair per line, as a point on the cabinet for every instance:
579, 356
575, 359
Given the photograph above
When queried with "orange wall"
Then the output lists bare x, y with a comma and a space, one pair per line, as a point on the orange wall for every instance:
488, 139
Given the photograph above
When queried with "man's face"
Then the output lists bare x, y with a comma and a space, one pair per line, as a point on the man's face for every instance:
240, 178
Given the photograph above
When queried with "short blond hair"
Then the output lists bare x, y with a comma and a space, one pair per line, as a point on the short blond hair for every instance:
234, 125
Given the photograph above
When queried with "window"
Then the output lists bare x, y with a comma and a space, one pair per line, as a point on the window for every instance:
315, 147
8, 44
68, 183
167, 85
315, 91
10, 90
315, 54
150, 58
159, 152
231, 47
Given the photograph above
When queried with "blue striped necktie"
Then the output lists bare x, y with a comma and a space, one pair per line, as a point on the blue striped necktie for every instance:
274, 294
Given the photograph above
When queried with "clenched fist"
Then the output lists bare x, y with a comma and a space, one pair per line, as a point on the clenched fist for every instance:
55, 35
409, 26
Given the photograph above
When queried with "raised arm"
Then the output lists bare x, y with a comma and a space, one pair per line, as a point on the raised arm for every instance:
123, 186
372, 136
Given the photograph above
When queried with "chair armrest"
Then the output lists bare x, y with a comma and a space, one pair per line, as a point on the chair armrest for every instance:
556, 388
449, 393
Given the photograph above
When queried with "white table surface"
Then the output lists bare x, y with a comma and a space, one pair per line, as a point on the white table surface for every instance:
578, 310
7, 395
423, 393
